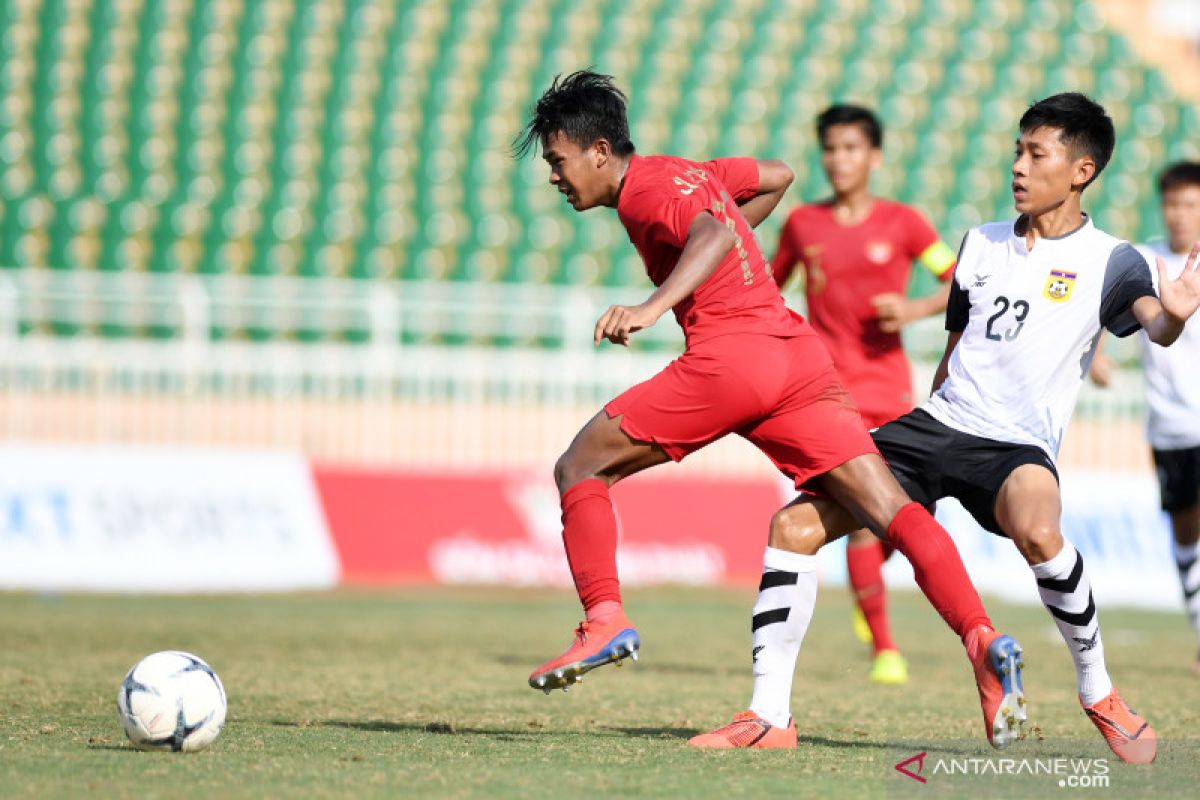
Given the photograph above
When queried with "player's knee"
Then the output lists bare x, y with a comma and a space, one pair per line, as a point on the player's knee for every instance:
1039, 542
566, 472
571, 468
797, 530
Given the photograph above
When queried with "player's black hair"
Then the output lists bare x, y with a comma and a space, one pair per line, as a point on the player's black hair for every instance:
1181, 173
845, 114
586, 106
1083, 124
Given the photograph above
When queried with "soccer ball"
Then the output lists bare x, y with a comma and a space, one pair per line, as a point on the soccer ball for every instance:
171, 701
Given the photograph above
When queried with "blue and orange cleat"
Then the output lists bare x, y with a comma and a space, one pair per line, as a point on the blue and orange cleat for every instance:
998, 663
1128, 733
748, 730
596, 644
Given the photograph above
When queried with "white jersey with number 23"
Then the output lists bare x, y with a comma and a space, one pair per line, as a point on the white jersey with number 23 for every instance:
1030, 319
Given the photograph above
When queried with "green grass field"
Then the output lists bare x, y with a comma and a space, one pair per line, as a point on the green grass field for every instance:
422, 693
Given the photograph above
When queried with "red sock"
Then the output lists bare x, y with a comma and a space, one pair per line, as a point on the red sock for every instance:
864, 563
938, 568
590, 538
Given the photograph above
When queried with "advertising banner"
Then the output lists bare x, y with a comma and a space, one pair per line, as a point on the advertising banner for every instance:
160, 520
504, 528
166, 520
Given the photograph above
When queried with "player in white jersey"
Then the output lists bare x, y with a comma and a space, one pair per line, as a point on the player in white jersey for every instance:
1027, 305
1173, 389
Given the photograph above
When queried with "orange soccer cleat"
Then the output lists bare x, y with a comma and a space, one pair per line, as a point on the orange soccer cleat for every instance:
748, 730
596, 644
997, 662
1127, 733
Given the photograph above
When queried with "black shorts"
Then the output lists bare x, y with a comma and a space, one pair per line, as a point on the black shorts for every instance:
932, 461
1178, 478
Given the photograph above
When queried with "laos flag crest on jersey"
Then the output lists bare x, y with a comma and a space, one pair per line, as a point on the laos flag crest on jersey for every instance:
1059, 286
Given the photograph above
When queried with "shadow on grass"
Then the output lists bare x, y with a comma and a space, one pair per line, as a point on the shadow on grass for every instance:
444, 728
388, 726
655, 733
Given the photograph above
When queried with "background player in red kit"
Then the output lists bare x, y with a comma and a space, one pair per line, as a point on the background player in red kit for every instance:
750, 366
857, 252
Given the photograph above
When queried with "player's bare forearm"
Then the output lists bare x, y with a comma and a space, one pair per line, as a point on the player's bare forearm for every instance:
1162, 328
894, 310
774, 178
943, 369
933, 303
707, 243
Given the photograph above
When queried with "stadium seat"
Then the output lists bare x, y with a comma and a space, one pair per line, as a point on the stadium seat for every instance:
370, 140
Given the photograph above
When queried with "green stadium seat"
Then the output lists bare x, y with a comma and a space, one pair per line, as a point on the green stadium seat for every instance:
370, 139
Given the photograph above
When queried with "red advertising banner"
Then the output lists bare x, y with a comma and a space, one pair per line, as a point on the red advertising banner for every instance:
501, 527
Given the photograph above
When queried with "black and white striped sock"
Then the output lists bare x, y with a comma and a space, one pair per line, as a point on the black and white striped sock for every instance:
1187, 561
786, 597
1067, 594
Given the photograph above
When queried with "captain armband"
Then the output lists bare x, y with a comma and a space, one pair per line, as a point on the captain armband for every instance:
938, 258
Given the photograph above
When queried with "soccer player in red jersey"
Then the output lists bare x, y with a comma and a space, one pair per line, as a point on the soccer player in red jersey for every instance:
857, 252
751, 367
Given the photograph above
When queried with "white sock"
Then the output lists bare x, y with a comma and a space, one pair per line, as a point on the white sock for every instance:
1188, 564
786, 597
1067, 594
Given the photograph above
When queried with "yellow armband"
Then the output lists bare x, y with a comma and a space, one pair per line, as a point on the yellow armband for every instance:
937, 258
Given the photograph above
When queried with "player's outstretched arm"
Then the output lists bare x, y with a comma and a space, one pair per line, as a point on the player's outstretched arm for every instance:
1163, 317
774, 178
707, 243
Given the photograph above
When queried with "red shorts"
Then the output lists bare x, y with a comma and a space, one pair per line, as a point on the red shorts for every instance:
783, 395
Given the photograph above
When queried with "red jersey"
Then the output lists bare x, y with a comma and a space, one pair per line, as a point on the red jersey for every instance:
660, 197
845, 267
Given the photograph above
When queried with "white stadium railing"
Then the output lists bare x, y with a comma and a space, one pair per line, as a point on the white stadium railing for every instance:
397, 393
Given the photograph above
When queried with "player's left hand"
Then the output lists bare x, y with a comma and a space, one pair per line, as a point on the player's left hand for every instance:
619, 322
1181, 297
894, 311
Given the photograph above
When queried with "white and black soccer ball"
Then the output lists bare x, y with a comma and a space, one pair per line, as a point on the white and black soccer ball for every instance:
171, 701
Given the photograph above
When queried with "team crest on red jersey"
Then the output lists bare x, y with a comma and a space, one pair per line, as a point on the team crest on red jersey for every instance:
879, 252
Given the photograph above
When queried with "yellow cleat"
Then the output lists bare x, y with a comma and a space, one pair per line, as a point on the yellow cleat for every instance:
862, 631
890, 668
